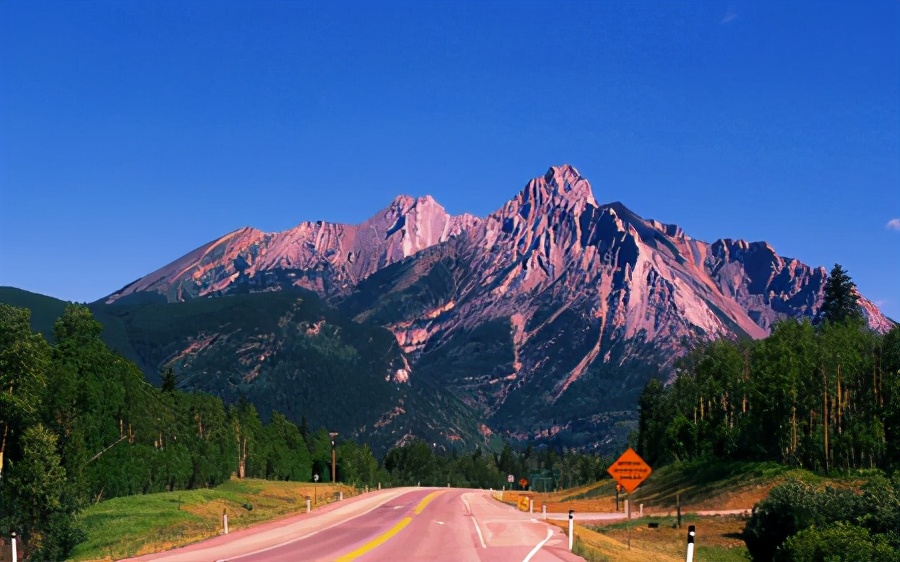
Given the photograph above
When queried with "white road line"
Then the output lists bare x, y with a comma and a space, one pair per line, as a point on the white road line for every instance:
477, 530
474, 522
538, 547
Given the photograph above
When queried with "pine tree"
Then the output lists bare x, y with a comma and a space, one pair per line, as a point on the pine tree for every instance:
841, 301
169, 382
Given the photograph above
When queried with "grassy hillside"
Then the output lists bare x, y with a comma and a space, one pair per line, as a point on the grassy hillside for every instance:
136, 525
702, 486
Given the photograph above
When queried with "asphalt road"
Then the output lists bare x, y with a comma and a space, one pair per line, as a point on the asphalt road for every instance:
431, 524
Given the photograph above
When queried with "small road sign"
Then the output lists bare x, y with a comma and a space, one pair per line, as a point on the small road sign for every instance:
510, 478
523, 482
629, 470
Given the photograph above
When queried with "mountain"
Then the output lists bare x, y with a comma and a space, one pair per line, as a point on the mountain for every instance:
324, 257
551, 313
543, 320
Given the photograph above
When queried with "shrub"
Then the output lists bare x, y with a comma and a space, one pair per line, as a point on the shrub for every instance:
785, 511
835, 543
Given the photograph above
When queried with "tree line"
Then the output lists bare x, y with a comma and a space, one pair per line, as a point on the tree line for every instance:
79, 424
819, 395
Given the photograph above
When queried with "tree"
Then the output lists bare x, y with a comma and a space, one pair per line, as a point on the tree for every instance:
652, 423
247, 431
41, 508
23, 362
841, 301
169, 382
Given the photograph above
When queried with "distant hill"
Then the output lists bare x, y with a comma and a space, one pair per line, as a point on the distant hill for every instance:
44, 310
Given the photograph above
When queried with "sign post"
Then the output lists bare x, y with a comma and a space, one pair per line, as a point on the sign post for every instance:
629, 471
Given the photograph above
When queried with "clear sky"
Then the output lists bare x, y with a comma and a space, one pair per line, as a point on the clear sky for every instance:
131, 133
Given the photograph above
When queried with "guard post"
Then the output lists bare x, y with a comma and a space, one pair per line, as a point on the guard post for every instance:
690, 545
571, 529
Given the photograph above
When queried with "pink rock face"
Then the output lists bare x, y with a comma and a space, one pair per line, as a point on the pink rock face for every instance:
572, 279
326, 257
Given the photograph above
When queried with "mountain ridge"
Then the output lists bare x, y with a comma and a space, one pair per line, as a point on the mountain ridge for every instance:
551, 301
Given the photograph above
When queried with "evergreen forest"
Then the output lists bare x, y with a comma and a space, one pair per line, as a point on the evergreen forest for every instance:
79, 424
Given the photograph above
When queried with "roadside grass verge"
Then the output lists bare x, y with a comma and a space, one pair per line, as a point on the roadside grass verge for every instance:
702, 485
136, 525
717, 539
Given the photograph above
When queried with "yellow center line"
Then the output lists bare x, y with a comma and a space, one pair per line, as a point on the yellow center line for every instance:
376, 542
426, 500
383, 538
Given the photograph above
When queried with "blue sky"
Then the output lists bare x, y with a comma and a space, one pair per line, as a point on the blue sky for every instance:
131, 133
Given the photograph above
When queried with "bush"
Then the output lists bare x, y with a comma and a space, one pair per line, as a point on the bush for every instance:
787, 510
818, 521
838, 542
795, 506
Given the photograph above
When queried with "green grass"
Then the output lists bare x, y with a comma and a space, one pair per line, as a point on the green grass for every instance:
134, 525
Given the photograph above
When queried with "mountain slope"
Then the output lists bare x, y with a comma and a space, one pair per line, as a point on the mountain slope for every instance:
287, 351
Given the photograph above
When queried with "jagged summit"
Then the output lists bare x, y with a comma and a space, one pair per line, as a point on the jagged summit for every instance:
562, 181
551, 234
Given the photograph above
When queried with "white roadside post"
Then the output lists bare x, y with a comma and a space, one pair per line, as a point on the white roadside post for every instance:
531, 506
341, 496
15, 556
572, 529
308, 507
544, 510
225, 520
690, 546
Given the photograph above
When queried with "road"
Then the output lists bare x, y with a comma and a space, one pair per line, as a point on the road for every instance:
433, 524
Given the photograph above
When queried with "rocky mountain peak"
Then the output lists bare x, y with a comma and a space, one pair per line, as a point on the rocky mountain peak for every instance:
562, 183
403, 204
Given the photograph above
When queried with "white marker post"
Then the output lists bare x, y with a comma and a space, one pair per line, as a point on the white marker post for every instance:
544, 510
307, 504
531, 506
15, 555
571, 529
341, 496
690, 547
225, 520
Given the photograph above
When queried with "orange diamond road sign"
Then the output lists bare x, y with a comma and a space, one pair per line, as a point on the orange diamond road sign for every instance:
630, 470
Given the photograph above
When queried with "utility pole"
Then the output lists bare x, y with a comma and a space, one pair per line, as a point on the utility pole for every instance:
333, 435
